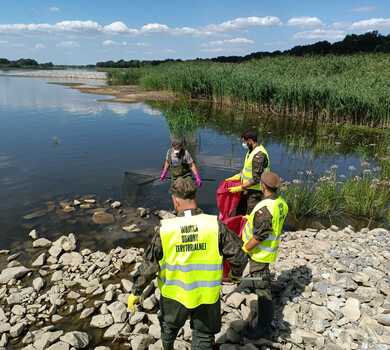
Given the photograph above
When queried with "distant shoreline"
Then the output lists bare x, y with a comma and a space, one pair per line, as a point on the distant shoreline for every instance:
80, 74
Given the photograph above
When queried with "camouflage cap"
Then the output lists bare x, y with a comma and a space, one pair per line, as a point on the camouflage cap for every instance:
184, 188
271, 180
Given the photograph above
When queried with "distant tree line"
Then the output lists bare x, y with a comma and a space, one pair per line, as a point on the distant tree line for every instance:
365, 43
24, 63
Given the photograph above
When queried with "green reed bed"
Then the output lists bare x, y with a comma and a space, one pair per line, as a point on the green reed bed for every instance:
363, 196
332, 88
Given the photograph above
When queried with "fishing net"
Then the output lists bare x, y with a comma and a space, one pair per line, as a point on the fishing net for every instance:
136, 186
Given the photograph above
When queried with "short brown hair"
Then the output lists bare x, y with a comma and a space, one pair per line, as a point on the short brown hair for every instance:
184, 188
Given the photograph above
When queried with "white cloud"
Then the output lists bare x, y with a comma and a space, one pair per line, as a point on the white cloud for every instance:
304, 22
3, 42
235, 41
320, 34
40, 46
121, 28
154, 28
80, 26
243, 23
368, 8
113, 43
54, 9
140, 44
118, 28
68, 44
371, 24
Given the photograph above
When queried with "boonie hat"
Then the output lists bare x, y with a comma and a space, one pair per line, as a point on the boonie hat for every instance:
271, 179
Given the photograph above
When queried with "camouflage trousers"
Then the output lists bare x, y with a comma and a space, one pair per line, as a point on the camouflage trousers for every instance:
262, 285
205, 322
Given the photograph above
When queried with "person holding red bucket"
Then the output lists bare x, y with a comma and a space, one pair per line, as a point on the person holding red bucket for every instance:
247, 182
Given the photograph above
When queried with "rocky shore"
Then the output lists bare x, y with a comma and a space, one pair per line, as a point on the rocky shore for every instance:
331, 290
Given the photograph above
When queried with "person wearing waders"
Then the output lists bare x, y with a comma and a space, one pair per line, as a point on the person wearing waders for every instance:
187, 254
180, 163
256, 162
261, 237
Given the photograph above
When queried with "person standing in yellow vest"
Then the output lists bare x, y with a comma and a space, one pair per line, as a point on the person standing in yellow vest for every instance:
187, 253
261, 238
256, 162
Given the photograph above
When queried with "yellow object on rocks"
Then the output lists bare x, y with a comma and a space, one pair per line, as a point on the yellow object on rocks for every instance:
131, 302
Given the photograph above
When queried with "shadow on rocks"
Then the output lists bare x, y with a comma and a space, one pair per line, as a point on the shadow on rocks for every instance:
286, 287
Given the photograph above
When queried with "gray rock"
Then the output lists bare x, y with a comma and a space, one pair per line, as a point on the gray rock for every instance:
384, 319
102, 348
117, 329
79, 340
33, 234
118, 311
141, 342
116, 204
17, 330
103, 218
133, 228
86, 312
56, 318
38, 283
137, 317
3, 340
163, 214
57, 276
4, 327
18, 310
352, 309
235, 299
41, 243
71, 259
149, 303
102, 321
127, 285
59, 346
155, 331
13, 273
55, 250
39, 261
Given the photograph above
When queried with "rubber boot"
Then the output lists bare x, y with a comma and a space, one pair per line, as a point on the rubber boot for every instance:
265, 315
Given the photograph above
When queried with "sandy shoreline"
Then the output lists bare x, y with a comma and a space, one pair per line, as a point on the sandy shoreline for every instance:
126, 94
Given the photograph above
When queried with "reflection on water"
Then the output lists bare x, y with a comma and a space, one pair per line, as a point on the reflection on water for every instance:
57, 143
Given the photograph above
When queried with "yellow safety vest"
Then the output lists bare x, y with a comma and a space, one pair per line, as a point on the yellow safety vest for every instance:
246, 173
266, 251
191, 268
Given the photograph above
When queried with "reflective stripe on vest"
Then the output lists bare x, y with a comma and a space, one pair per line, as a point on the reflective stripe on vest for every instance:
266, 251
191, 268
246, 173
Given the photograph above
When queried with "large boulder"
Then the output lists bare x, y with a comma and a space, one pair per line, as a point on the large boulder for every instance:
78, 340
13, 273
103, 218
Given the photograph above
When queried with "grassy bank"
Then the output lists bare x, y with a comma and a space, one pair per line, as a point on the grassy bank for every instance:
366, 195
333, 88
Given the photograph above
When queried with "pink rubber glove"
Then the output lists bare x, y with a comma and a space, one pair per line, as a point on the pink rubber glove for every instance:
163, 175
198, 180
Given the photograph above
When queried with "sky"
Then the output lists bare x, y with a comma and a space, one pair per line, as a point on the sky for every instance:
86, 31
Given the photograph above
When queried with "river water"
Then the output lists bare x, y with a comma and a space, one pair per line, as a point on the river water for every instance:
57, 143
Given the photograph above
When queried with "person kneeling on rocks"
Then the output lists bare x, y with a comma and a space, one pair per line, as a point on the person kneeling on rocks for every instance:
261, 236
188, 253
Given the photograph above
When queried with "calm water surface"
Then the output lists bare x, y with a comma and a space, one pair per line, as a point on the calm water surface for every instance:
57, 143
